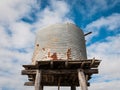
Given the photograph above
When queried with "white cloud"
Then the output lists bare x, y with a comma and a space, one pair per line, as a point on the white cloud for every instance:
4, 37
87, 8
22, 36
13, 10
113, 85
110, 23
55, 13
10, 68
15, 34
109, 53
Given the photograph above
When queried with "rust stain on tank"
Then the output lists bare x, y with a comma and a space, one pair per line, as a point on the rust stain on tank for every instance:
69, 53
54, 56
43, 49
48, 54
37, 45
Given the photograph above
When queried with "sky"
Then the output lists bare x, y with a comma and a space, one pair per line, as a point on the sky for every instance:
21, 19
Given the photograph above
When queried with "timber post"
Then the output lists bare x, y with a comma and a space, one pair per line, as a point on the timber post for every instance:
38, 85
82, 79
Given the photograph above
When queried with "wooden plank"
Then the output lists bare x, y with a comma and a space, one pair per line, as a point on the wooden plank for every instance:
82, 80
30, 66
62, 64
61, 84
69, 71
53, 84
27, 72
60, 72
69, 61
64, 71
29, 83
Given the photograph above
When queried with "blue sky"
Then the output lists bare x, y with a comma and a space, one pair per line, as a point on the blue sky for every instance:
21, 19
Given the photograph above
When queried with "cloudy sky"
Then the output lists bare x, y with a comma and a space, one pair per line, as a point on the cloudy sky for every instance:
21, 19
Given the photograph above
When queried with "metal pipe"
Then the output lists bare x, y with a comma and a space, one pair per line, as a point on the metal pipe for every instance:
87, 33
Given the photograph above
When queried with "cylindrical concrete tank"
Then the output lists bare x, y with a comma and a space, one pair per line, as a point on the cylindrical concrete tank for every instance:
60, 42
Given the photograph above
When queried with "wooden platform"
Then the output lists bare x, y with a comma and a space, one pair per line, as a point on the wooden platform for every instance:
62, 72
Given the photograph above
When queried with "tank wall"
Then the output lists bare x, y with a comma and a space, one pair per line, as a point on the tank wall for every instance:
60, 42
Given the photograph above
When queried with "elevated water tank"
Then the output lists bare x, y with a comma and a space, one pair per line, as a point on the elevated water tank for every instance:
60, 42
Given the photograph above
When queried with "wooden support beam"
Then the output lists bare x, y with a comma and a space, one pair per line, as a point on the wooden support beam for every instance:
64, 71
82, 80
29, 83
93, 61
86, 77
82, 64
73, 88
29, 66
64, 64
43, 64
28, 72
38, 85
